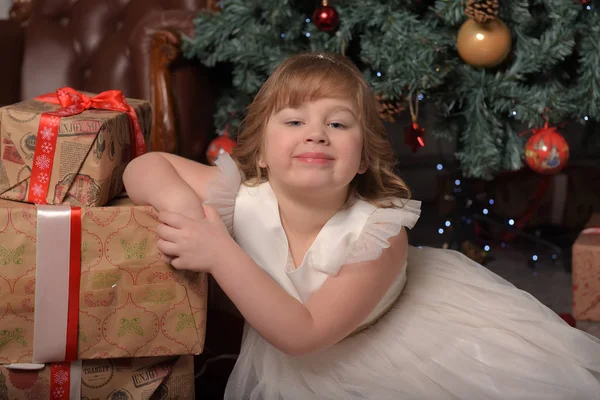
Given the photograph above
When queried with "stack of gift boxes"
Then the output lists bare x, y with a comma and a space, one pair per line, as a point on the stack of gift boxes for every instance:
87, 307
586, 272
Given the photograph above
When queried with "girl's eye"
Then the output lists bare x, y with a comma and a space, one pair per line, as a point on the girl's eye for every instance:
337, 125
293, 123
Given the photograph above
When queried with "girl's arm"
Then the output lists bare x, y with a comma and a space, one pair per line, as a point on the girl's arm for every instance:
168, 183
333, 312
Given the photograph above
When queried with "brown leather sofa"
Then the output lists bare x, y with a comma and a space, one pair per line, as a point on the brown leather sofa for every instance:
132, 46
97, 45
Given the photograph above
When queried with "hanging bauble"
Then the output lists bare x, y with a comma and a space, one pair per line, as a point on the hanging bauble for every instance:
483, 45
568, 318
326, 18
414, 136
218, 146
483, 40
546, 151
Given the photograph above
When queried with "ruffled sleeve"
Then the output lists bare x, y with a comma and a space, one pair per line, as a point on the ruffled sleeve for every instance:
380, 225
383, 224
222, 191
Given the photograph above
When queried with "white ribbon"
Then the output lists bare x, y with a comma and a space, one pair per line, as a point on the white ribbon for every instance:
51, 283
75, 389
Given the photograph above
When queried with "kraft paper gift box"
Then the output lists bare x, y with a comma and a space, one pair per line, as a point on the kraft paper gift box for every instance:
155, 378
72, 154
97, 290
586, 272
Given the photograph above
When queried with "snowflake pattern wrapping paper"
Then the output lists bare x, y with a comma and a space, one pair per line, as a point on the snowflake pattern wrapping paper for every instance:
586, 272
145, 378
131, 303
82, 166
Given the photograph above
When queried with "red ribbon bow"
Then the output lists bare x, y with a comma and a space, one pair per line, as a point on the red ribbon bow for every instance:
73, 103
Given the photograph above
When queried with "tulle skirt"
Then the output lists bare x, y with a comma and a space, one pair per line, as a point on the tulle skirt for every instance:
457, 331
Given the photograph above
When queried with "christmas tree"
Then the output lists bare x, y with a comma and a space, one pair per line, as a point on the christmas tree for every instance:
539, 63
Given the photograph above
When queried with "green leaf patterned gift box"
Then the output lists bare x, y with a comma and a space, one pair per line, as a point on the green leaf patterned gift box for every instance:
131, 303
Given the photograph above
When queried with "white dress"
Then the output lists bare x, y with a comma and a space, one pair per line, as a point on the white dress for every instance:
447, 329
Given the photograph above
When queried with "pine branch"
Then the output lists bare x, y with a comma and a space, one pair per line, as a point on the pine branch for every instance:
404, 49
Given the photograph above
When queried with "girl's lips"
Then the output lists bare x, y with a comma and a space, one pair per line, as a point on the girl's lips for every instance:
315, 161
314, 158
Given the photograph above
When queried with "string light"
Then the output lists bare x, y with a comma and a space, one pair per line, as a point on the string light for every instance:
283, 35
307, 20
420, 96
586, 118
378, 74
534, 259
307, 34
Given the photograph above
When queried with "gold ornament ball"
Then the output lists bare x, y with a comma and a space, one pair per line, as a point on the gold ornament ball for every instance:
483, 45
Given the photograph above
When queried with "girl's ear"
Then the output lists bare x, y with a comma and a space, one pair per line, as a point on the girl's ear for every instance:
362, 168
261, 163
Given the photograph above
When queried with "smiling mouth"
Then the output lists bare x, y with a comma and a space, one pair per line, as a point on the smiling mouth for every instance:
314, 158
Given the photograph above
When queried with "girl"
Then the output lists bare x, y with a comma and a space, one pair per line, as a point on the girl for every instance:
337, 305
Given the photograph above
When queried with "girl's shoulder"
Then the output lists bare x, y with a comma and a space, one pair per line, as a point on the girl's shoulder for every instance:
367, 230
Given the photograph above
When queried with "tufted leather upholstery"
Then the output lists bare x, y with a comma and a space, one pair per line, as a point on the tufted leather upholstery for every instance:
96, 45
130, 45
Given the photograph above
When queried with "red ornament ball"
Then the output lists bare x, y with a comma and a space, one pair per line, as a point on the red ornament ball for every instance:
568, 318
326, 18
222, 144
414, 136
546, 152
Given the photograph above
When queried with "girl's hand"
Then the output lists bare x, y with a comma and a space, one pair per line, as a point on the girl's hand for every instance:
190, 243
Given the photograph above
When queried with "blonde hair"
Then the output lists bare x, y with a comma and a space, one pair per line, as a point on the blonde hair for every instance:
312, 76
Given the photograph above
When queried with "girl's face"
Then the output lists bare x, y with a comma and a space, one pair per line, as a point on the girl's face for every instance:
315, 147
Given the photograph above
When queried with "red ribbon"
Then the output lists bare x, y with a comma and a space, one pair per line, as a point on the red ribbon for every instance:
60, 381
71, 352
73, 103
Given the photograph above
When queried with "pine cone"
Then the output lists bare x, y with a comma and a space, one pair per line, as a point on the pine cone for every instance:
389, 109
482, 10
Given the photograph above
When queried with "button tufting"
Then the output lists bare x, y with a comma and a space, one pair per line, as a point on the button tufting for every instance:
64, 22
